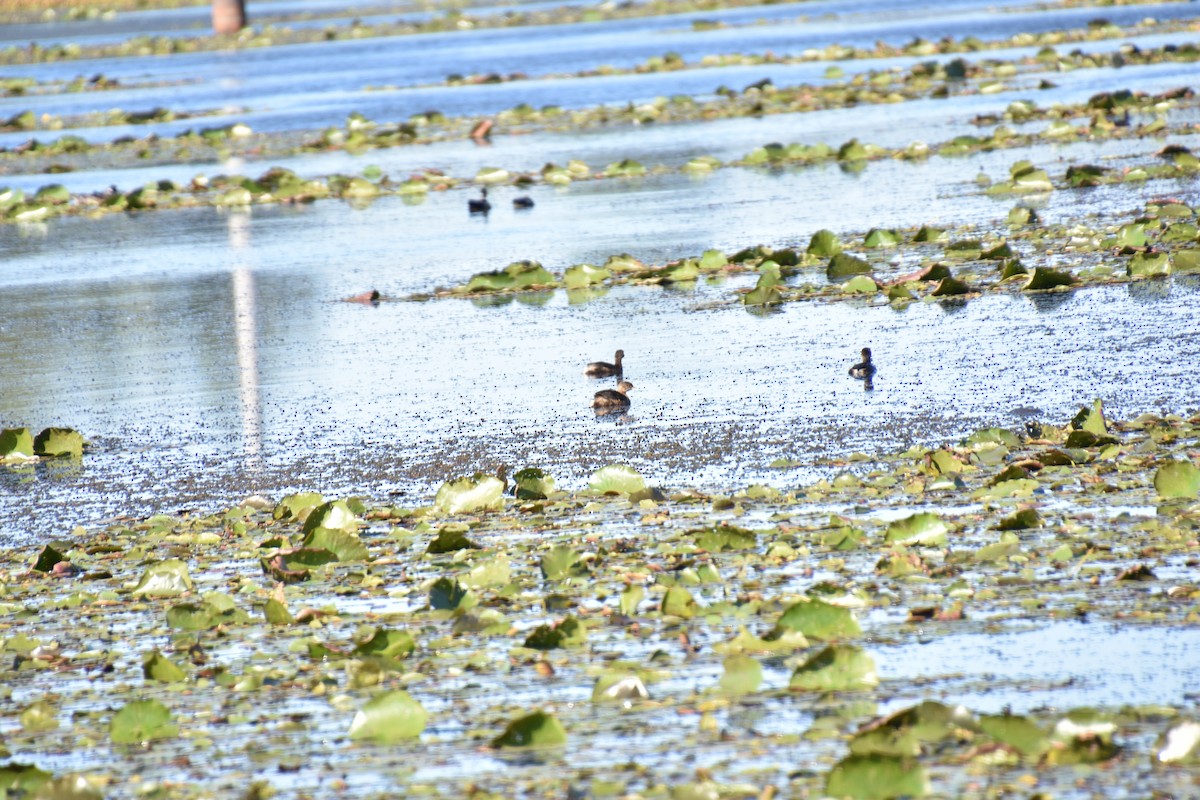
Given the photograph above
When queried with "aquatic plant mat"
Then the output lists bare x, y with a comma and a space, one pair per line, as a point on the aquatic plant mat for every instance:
1013, 614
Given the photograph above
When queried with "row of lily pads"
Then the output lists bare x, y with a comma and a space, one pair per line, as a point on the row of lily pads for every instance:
21, 446
272, 33
387, 675
1165, 240
761, 97
282, 185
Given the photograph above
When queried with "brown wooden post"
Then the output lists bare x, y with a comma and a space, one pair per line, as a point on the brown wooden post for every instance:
228, 16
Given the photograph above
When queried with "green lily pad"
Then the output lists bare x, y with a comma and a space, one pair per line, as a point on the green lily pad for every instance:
16, 441
1149, 265
1178, 479
824, 244
618, 687
766, 295
142, 721
617, 479
837, 668
538, 729
335, 515
879, 237
1043, 278
569, 632
493, 572
1018, 732
450, 540
157, 667
561, 562
37, 717
343, 544
950, 287
844, 265
389, 718
928, 234
447, 594
582, 276
1186, 260
467, 494
678, 602
923, 528
165, 579
59, 442
294, 505
877, 777
1025, 519
817, 619
390, 644
723, 538
860, 284
48, 556
742, 675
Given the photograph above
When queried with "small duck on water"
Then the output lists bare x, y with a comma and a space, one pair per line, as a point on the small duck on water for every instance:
607, 400
603, 369
864, 370
480, 205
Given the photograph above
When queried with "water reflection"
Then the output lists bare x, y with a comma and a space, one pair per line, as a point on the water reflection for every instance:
245, 324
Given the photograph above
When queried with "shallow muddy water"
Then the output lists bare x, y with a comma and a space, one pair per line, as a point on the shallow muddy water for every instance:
207, 356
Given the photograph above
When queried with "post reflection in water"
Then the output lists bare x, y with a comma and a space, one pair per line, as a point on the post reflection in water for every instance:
246, 339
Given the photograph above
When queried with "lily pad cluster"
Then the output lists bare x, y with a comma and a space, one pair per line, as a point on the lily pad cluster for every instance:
21, 446
481, 619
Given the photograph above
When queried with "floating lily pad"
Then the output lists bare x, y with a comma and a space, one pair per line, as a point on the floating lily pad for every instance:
165, 579
581, 276
450, 539
617, 479
389, 644
741, 674
1018, 732
142, 721
569, 632
1025, 519
824, 244
923, 528
294, 506
538, 729
1149, 265
157, 667
1043, 278
345, 545
722, 538
619, 687
844, 265
447, 594
1177, 479
388, 718
678, 602
562, 562
837, 668
16, 441
817, 619
467, 494
860, 284
877, 777
880, 237
59, 442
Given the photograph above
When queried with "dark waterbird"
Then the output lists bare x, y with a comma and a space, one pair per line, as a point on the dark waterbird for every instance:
523, 202
603, 369
480, 205
864, 370
607, 400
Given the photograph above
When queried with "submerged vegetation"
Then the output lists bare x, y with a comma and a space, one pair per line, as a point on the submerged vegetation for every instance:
717, 626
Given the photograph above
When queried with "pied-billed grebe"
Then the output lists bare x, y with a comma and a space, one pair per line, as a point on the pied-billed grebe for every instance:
523, 202
613, 398
603, 369
480, 206
863, 370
